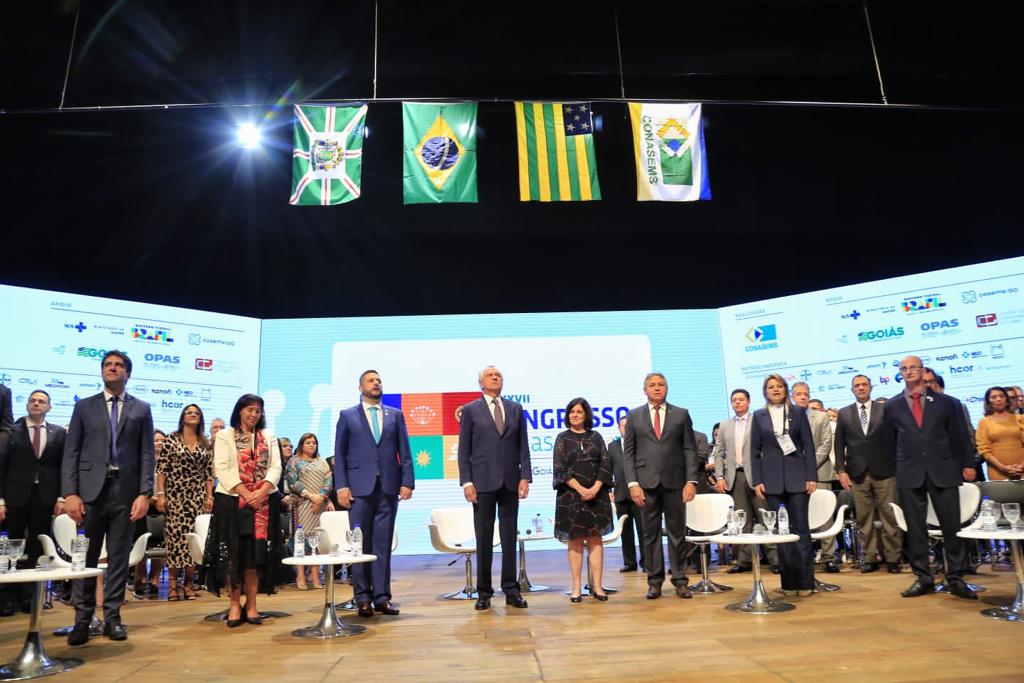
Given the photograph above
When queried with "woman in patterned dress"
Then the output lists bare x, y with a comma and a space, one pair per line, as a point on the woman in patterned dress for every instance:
243, 547
309, 479
184, 489
582, 476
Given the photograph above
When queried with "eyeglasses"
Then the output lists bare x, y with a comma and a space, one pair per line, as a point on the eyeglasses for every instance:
910, 368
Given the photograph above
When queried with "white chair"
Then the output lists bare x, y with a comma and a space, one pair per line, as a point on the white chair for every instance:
607, 539
452, 531
707, 514
820, 510
970, 500
50, 549
197, 539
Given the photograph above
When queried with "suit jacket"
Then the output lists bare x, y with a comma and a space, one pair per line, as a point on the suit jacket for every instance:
225, 461
725, 452
856, 452
358, 459
782, 473
19, 466
938, 448
670, 461
488, 459
619, 481
700, 439
87, 448
821, 433
6, 415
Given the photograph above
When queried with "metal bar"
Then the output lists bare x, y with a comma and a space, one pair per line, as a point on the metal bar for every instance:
71, 52
874, 54
618, 48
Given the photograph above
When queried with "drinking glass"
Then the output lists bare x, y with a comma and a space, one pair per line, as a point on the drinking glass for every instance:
15, 551
1010, 510
768, 516
313, 539
741, 520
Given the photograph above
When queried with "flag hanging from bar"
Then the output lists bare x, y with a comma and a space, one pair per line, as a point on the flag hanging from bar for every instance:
327, 160
556, 152
439, 142
671, 163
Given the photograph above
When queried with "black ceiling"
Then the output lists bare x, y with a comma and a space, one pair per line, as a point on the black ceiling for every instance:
159, 204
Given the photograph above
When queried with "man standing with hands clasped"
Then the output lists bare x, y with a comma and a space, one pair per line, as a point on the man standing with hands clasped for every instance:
107, 480
933, 458
661, 468
494, 470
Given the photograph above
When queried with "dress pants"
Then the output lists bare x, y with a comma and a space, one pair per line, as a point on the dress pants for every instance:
744, 498
670, 502
28, 521
375, 514
107, 516
506, 503
871, 499
797, 559
946, 501
629, 543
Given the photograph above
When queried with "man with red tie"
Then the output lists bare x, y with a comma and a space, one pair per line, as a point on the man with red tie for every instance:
933, 458
660, 459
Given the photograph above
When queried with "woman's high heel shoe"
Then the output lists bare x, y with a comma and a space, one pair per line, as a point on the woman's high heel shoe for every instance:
603, 597
575, 598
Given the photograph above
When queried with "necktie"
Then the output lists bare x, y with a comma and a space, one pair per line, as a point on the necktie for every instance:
863, 418
917, 409
740, 425
35, 440
657, 422
499, 417
113, 431
374, 423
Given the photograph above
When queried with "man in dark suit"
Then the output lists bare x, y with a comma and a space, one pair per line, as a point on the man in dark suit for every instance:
494, 471
107, 480
6, 415
372, 472
865, 464
30, 479
624, 504
661, 470
933, 458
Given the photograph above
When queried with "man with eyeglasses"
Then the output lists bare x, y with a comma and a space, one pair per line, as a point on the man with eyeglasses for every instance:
933, 458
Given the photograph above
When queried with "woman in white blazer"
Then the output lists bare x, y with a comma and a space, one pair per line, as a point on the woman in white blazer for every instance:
243, 548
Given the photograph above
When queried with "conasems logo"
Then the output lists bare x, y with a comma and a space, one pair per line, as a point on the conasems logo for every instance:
764, 337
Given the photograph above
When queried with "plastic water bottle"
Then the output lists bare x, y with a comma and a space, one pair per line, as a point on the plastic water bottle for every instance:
783, 519
299, 539
538, 524
5, 546
357, 540
988, 515
79, 547
732, 526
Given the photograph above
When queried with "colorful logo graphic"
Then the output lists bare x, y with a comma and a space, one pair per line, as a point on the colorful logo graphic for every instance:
986, 320
152, 334
925, 303
204, 364
432, 421
763, 337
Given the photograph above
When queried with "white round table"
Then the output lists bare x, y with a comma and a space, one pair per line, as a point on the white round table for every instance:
33, 662
524, 581
758, 602
330, 625
1014, 611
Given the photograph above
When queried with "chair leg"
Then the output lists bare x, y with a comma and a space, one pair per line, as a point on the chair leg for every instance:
706, 586
468, 592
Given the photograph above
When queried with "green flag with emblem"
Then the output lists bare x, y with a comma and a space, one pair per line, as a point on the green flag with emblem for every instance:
439, 149
327, 159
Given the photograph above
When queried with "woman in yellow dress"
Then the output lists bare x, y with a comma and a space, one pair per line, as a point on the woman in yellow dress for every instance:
1000, 437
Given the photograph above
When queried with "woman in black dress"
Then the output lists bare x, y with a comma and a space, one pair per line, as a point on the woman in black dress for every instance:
582, 477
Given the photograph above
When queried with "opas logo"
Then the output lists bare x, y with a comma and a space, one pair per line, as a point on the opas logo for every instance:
763, 337
986, 320
880, 335
854, 314
80, 326
89, 352
162, 359
160, 335
204, 364
937, 328
928, 302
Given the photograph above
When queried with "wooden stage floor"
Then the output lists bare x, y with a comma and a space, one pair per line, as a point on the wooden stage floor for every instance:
865, 632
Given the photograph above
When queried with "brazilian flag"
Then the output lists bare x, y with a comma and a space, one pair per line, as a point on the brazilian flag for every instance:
439, 144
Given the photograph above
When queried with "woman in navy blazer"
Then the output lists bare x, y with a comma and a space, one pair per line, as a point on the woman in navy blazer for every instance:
786, 479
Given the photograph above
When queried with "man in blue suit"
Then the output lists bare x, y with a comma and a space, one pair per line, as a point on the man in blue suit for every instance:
494, 471
933, 458
107, 481
372, 471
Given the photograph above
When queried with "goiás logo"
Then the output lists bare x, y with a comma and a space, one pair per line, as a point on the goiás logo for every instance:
881, 334
89, 352
763, 337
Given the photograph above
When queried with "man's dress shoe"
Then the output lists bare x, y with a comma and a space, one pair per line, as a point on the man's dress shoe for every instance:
515, 600
386, 608
114, 629
79, 633
482, 604
918, 588
653, 592
365, 609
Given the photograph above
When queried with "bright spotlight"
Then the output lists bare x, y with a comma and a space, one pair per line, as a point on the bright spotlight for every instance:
248, 135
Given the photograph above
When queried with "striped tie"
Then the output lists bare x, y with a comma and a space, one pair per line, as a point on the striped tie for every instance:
863, 418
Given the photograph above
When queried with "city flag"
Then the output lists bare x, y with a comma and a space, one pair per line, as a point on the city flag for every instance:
556, 152
439, 147
671, 164
327, 160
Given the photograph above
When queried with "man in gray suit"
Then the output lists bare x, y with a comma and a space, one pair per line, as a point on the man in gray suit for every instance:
624, 505
107, 481
821, 432
733, 475
661, 471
